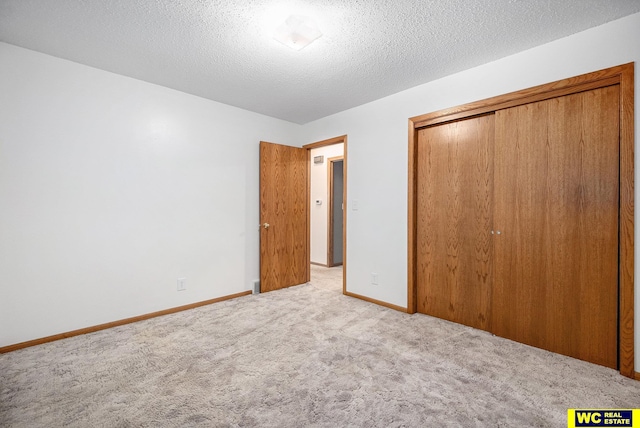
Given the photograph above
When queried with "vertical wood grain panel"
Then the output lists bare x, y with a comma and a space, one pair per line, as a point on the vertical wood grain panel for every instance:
627, 135
454, 200
556, 205
284, 205
412, 221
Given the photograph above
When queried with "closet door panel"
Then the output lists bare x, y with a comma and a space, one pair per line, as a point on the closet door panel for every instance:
455, 181
556, 206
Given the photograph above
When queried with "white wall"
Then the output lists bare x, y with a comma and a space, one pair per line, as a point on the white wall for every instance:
319, 190
112, 188
377, 151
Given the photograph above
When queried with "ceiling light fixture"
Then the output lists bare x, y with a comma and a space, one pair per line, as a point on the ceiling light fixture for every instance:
297, 32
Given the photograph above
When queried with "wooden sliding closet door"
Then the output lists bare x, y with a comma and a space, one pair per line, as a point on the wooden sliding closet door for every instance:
454, 206
556, 207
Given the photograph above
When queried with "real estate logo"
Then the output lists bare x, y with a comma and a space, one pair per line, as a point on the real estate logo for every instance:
603, 418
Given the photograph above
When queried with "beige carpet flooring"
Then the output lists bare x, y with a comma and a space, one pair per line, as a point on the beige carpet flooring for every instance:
306, 356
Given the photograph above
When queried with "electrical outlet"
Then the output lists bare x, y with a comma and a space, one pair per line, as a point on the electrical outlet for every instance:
182, 284
374, 278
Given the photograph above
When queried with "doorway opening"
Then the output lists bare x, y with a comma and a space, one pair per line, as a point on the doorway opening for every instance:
335, 211
328, 203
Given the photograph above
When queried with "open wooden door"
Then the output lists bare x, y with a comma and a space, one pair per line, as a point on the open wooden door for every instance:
284, 216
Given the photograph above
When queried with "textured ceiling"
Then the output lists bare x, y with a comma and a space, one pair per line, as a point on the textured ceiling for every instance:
223, 49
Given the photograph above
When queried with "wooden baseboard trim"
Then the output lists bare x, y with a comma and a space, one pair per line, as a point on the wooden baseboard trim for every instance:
377, 302
636, 376
95, 328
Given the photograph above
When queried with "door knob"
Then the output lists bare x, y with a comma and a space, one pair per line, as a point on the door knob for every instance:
266, 225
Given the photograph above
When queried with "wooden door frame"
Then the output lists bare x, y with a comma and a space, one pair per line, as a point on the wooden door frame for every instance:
622, 75
330, 142
330, 205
